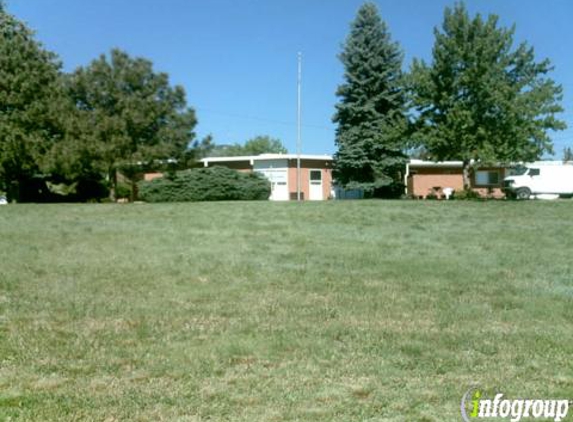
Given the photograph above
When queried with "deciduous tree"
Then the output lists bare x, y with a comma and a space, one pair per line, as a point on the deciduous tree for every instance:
129, 115
262, 144
482, 100
31, 101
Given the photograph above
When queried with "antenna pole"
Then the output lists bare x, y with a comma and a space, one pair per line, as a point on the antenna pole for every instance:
298, 134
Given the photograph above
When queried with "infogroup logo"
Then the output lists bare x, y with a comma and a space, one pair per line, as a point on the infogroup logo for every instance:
475, 405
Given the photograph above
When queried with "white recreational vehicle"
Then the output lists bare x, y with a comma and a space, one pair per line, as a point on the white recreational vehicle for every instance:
541, 178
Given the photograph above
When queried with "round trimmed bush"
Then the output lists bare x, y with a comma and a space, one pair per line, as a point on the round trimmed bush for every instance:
206, 184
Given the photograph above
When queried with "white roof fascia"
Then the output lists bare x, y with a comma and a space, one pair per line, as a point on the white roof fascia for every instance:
264, 157
423, 163
450, 164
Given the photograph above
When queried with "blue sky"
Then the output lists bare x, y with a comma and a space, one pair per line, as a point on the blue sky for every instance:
237, 59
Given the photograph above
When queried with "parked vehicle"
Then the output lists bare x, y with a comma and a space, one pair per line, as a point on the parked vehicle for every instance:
3, 200
539, 179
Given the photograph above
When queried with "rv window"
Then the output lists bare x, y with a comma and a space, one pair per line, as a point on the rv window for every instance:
517, 171
533, 172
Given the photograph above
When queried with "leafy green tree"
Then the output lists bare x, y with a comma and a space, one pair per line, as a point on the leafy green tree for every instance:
371, 110
226, 150
31, 106
189, 159
202, 148
481, 100
567, 154
129, 117
261, 144
264, 145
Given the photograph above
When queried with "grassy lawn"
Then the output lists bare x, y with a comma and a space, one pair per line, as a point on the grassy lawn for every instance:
335, 311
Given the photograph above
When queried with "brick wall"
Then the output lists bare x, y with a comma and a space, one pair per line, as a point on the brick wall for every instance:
425, 180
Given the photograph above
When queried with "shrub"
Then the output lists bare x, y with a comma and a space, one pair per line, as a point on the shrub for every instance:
123, 190
206, 184
392, 191
466, 194
92, 190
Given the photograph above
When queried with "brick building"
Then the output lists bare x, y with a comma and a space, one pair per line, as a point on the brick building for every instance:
428, 177
281, 170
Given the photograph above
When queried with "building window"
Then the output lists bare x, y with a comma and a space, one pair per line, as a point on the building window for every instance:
315, 175
487, 178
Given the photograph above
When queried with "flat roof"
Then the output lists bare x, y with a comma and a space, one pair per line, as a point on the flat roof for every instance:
424, 163
266, 157
456, 164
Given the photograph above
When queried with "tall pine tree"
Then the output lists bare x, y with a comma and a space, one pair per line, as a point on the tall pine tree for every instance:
371, 111
481, 100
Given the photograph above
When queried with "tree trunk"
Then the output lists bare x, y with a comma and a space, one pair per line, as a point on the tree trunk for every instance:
13, 193
133, 194
466, 175
112, 184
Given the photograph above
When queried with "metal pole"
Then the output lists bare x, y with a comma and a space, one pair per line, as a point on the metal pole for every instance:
298, 138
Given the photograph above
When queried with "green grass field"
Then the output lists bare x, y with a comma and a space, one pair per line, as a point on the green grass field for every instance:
335, 311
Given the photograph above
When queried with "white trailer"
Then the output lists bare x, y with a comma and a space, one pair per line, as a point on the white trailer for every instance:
537, 179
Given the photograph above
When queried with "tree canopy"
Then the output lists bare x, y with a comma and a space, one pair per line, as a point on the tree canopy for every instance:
371, 111
264, 145
261, 144
31, 101
129, 115
482, 100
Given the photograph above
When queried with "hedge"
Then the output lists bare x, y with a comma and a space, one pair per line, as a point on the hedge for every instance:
206, 184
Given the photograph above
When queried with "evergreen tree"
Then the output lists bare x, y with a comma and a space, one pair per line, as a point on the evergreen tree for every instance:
371, 110
31, 101
567, 154
481, 100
